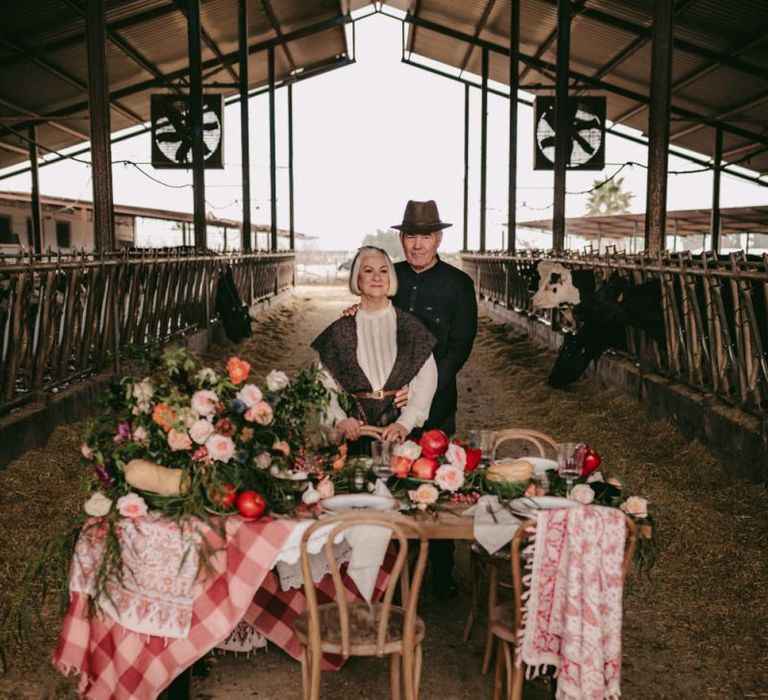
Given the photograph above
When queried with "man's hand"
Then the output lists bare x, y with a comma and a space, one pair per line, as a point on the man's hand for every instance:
401, 397
394, 432
350, 310
349, 428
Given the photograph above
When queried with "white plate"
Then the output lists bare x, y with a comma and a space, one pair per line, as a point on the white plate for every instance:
357, 501
539, 464
528, 506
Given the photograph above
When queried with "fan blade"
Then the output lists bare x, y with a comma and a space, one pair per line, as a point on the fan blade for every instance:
182, 151
586, 145
548, 142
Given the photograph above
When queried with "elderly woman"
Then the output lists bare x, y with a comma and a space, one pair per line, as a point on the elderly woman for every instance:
370, 356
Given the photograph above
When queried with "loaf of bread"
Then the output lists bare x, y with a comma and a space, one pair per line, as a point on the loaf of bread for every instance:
517, 470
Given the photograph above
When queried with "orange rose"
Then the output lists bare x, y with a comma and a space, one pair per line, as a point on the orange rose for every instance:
164, 416
238, 370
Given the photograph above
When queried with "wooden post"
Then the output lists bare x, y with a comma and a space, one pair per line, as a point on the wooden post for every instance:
291, 230
195, 117
717, 168
465, 245
514, 57
483, 146
245, 143
98, 112
658, 125
272, 151
562, 122
37, 214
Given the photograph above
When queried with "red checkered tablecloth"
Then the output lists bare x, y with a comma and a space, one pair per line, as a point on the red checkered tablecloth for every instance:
116, 663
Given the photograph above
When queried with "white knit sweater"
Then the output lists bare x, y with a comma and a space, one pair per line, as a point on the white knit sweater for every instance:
376, 353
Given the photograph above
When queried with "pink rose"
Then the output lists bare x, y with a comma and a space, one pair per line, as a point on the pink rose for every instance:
200, 431
263, 460
260, 413
250, 395
86, 451
409, 449
424, 496
204, 402
450, 477
97, 505
140, 435
178, 441
636, 506
131, 506
457, 455
325, 488
582, 493
220, 447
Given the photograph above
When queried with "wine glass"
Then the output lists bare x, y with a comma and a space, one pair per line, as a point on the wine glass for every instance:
484, 440
570, 460
381, 452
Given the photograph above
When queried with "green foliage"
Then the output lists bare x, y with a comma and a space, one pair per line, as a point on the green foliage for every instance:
609, 198
386, 240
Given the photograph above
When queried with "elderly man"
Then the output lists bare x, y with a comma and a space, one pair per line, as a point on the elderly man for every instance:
443, 298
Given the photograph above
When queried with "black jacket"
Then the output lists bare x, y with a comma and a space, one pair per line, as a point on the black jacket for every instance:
443, 299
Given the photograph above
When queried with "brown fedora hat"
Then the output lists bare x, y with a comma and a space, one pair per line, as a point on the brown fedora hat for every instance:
421, 217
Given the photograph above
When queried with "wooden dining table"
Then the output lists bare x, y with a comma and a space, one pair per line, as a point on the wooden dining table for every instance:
116, 662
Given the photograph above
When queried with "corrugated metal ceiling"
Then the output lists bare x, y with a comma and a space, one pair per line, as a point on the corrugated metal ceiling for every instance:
720, 69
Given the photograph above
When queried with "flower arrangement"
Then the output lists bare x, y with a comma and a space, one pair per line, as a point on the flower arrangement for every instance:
189, 440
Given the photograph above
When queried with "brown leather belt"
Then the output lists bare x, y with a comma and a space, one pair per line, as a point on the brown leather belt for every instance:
380, 394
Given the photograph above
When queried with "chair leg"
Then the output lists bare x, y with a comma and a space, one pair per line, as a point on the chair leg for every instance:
498, 674
304, 674
394, 675
510, 668
477, 585
518, 674
409, 675
314, 680
493, 585
417, 673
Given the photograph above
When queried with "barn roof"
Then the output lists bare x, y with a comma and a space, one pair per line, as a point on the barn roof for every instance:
684, 222
720, 65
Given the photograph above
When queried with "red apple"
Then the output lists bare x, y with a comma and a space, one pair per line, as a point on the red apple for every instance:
424, 468
592, 461
433, 443
473, 458
400, 466
251, 504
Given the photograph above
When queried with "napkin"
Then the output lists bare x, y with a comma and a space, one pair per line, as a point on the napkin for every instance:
369, 545
493, 534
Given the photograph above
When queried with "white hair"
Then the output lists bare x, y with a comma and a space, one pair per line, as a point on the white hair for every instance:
354, 271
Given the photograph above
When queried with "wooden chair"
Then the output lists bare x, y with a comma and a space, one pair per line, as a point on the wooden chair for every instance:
355, 628
506, 620
484, 565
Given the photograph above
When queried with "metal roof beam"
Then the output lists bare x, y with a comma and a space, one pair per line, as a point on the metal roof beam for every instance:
478, 28
637, 43
698, 74
277, 29
541, 65
207, 40
229, 59
678, 44
37, 118
125, 46
754, 101
54, 70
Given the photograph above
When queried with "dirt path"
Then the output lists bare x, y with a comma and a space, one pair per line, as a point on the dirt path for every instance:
696, 629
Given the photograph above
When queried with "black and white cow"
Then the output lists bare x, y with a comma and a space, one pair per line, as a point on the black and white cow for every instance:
557, 286
603, 317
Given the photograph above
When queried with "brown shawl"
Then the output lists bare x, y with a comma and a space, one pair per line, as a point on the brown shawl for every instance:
337, 347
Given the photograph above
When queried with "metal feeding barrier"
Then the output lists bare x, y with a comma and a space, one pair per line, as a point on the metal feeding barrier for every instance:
715, 313
66, 316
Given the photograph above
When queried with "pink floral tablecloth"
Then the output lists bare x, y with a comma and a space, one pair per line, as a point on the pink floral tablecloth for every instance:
114, 662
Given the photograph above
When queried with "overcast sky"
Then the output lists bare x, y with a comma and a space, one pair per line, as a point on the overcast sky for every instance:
367, 138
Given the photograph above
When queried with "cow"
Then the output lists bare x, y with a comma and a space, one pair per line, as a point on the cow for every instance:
603, 318
556, 285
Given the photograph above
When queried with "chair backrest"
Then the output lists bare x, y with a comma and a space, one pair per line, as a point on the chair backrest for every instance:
527, 531
539, 440
402, 529
370, 431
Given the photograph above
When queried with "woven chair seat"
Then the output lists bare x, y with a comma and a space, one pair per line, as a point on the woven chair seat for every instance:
363, 624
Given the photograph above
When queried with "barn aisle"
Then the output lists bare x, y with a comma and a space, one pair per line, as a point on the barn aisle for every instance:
694, 629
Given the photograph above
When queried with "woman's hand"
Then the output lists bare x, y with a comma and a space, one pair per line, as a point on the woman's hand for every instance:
401, 397
394, 432
349, 428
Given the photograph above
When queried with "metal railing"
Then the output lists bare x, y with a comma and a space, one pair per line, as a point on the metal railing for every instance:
63, 317
714, 313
